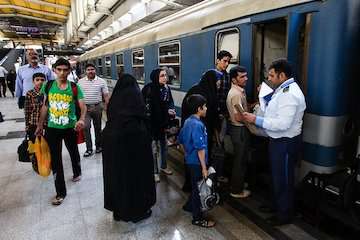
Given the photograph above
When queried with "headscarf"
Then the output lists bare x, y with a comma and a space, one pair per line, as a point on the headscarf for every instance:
126, 100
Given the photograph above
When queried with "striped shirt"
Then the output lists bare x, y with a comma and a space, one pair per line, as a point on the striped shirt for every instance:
93, 89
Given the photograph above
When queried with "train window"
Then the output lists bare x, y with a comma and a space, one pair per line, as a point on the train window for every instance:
119, 63
229, 40
108, 66
169, 59
99, 65
138, 65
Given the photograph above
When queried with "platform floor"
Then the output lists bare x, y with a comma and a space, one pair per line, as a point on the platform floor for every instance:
26, 212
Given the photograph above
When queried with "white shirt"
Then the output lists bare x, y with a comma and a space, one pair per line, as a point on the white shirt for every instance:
93, 89
284, 112
3, 71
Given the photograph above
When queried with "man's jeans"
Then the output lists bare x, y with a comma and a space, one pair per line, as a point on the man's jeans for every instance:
240, 139
94, 112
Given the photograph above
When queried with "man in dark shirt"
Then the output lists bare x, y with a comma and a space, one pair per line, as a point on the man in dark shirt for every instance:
222, 62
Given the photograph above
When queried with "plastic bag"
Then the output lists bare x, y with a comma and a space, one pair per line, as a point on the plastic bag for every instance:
209, 198
42, 164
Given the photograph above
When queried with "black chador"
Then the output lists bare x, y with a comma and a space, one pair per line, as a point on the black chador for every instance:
128, 168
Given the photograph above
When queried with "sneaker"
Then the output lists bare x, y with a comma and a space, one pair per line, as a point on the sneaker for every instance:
98, 150
157, 177
166, 171
88, 153
57, 200
76, 179
243, 194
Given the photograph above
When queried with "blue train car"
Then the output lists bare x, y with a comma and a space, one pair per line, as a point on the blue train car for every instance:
318, 37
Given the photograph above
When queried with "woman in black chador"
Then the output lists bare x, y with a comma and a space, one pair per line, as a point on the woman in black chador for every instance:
129, 187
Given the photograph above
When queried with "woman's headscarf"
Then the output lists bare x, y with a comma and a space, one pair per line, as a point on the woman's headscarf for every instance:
126, 100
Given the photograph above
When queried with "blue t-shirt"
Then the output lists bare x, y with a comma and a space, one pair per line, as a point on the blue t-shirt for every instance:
193, 137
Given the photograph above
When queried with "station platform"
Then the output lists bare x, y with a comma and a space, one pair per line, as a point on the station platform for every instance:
26, 211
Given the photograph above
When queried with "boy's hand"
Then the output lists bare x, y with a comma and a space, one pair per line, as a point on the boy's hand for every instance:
39, 130
205, 173
79, 125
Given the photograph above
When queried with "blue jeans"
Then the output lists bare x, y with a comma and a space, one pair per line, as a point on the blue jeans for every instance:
159, 148
193, 201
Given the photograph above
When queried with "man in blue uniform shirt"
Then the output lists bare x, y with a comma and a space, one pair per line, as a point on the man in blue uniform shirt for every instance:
282, 121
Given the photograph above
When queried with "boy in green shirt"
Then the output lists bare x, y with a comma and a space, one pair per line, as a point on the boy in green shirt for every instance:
60, 98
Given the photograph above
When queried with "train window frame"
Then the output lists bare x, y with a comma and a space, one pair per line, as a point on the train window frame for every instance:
176, 66
119, 65
99, 66
217, 50
138, 66
108, 66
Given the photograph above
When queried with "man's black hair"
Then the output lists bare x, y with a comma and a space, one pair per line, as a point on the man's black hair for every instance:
90, 65
222, 54
195, 101
39, 74
62, 62
282, 65
235, 70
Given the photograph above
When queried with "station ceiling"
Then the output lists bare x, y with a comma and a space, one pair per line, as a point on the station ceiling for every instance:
44, 21
34, 20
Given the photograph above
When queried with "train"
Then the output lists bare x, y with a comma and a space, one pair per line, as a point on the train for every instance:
319, 37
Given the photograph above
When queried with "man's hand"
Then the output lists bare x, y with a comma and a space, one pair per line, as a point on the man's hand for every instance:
249, 117
79, 125
205, 173
39, 130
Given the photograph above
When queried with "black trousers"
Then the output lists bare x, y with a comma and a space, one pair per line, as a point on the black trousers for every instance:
3, 86
193, 201
54, 138
283, 155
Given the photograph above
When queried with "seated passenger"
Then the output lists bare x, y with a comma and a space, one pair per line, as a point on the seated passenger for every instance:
193, 137
129, 187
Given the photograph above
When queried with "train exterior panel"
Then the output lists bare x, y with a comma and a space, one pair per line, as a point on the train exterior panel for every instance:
318, 37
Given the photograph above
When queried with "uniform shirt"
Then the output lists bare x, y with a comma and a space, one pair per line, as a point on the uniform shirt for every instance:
193, 137
3, 72
235, 96
61, 112
93, 89
24, 81
284, 112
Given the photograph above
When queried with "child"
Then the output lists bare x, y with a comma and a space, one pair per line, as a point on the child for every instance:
193, 138
33, 103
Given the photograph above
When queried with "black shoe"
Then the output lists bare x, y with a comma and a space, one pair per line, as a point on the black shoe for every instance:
275, 221
145, 216
186, 209
266, 209
88, 153
116, 216
98, 150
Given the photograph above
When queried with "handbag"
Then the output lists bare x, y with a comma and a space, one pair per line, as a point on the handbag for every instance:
22, 150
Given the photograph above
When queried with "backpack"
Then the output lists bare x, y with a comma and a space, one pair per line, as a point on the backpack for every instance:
74, 92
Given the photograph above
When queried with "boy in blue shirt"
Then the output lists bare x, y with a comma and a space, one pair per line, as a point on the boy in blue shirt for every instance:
193, 138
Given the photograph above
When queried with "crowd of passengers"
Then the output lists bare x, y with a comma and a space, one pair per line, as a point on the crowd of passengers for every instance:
134, 141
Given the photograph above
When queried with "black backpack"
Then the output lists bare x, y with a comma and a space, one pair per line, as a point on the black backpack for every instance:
74, 92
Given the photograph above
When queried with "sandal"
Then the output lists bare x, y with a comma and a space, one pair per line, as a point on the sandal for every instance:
57, 201
88, 153
204, 223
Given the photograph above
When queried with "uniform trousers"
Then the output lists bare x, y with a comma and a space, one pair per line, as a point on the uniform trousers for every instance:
283, 155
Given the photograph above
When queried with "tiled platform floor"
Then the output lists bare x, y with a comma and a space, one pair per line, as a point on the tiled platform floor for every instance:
26, 212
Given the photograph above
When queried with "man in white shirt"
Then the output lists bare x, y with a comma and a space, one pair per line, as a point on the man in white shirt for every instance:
95, 90
3, 72
282, 121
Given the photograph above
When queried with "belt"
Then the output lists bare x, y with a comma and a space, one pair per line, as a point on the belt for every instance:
94, 104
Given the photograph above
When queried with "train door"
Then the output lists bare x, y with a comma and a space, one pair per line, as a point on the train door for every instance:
270, 42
